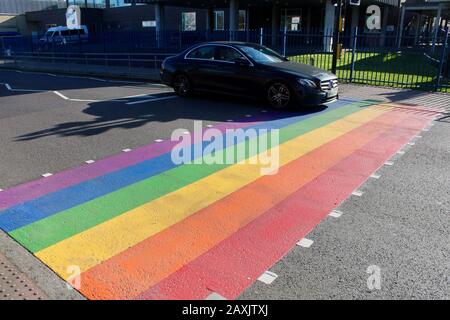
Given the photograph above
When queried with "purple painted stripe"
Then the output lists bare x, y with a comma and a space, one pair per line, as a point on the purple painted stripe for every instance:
37, 188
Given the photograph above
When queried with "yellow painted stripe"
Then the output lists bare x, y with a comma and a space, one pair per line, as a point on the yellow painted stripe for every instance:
112, 237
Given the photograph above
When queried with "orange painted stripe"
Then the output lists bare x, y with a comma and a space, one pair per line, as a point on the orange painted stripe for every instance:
128, 274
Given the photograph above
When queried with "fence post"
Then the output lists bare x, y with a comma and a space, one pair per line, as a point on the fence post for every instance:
261, 36
443, 57
284, 41
355, 40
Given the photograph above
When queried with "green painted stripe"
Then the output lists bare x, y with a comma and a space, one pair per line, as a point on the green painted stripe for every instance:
44, 233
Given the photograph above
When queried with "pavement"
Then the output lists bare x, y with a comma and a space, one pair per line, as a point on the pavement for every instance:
91, 198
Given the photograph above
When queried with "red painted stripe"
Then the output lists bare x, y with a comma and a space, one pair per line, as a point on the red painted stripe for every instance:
236, 262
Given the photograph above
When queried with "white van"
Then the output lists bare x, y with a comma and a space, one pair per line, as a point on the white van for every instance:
63, 35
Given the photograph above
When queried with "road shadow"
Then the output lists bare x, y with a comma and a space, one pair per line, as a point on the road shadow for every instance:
40, 81
108, 115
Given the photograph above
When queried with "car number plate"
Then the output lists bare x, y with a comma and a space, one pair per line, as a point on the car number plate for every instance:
332, 93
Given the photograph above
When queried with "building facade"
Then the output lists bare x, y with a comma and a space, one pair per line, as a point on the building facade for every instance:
204, 15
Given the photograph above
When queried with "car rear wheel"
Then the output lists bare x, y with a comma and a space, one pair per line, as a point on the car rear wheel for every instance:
279, 95
182, 85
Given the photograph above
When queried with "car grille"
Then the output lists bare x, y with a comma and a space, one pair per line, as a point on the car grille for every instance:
325, 85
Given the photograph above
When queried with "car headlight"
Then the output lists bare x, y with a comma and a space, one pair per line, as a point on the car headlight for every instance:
307, 83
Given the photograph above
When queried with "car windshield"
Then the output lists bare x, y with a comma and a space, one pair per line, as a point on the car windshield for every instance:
262, 54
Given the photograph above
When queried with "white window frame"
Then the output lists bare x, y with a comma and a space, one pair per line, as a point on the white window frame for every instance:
185, 27
216, 14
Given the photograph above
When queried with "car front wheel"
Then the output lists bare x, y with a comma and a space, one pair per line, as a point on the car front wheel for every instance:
182, 85
279, 95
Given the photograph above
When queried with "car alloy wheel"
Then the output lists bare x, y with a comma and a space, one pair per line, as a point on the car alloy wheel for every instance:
182, 85
279, 95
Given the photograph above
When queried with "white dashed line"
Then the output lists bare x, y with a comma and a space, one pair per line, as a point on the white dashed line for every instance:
305, 243
267, 277
400, 152
90, 161
389, 163
335, 214
375, 176
358, 193
46, 175
159, 140
215, 296
126, 150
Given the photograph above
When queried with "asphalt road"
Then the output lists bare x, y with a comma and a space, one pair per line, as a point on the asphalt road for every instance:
400, 224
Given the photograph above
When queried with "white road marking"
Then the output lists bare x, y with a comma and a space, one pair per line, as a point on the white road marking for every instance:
83, 100
90, 161
152, 100
159, 140
267, 277
411, 143
9, 88
401, 152
335, 214
375, 176
305, 243
46, 175
126, 150
59, 94
389, 163
139, 96
358, 193
209, 126
215, 296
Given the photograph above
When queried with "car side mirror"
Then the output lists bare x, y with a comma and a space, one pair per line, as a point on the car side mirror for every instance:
242, 62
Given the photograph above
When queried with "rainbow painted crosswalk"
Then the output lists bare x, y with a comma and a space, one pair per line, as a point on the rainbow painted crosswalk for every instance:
139, 226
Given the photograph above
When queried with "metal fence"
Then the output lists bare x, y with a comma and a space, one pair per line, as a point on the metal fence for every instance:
419, 62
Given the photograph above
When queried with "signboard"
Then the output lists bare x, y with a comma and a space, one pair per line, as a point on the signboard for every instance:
73, 17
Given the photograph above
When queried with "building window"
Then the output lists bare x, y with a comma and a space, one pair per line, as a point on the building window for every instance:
96, 4
188, 21
219, 20
292, 20
242, 20
119, 3
80, 3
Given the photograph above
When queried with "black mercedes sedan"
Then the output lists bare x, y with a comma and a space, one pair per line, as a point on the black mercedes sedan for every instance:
247, 69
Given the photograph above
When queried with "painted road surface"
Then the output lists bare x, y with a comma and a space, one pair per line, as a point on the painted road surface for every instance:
138, 226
